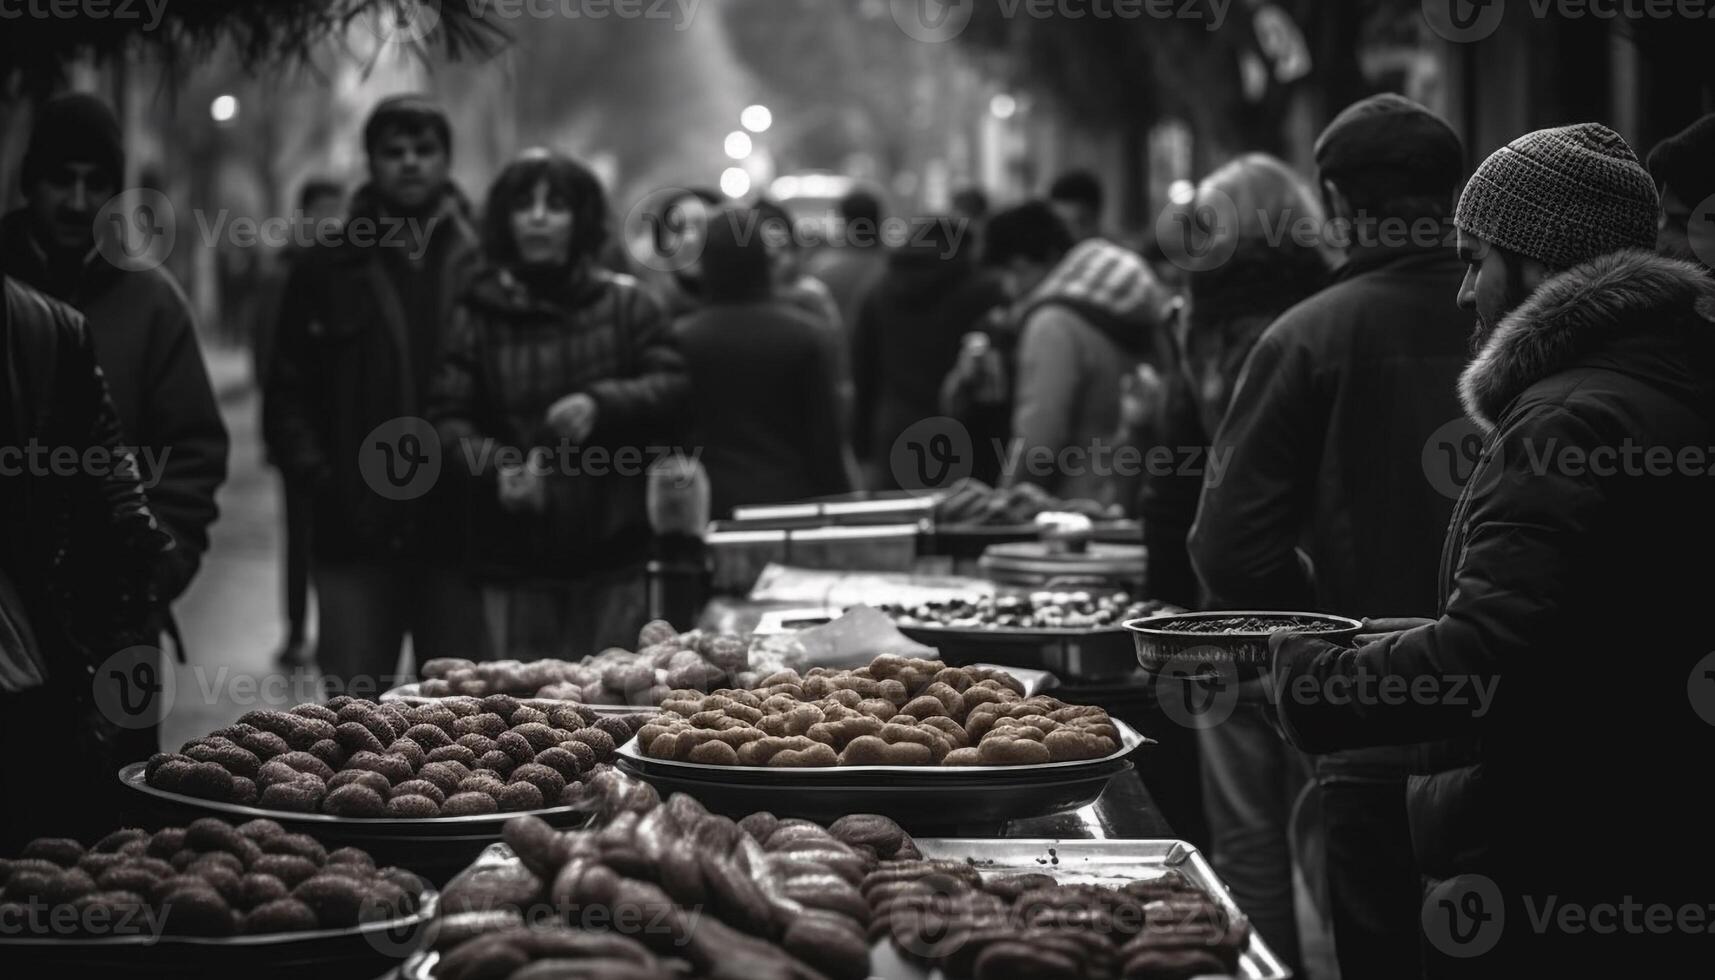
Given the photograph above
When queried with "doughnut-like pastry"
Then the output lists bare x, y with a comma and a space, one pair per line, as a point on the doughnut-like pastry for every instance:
816, 756
1006, 751
1071, 743
878, 707
949, 728
924, 706
714, 752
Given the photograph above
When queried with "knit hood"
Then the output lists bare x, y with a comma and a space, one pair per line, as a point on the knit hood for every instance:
1587, 313
1110, 286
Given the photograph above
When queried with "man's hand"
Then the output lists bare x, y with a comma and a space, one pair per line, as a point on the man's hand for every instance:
573, 417
1375, 629
522, 489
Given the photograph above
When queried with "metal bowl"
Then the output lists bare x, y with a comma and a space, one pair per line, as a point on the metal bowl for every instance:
1163, 649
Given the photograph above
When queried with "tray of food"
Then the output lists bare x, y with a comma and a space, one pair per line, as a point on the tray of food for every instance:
208, 899
614, 681
1143, 909
1199, 644
1078, 635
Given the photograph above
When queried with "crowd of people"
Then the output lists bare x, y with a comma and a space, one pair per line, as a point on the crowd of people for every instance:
1316, 377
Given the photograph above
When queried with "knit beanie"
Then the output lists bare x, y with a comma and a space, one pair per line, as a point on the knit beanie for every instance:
1389, 131
1561, 196
74, 127
1685, 161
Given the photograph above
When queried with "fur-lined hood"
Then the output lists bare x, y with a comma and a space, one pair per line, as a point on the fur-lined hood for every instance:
1579, 313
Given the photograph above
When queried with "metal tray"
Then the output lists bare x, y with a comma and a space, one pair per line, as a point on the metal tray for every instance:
1096, 862
407, 694
363, 951
630, 752
434, 847
1198, 655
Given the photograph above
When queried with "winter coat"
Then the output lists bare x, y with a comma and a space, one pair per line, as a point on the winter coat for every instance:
140, 323
1572, 580
764, 404
849, 273
1228, 310
81, 546
907, 338
1321, 449
349, 359
1084, 328
514, 352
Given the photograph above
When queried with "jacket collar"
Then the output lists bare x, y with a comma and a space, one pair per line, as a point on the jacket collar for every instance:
1580, 314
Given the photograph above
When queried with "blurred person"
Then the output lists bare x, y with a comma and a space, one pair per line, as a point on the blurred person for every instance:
360, 336
1683, 166
557, 372
1251, 780
1077, 197
850, 271
83, 562
318, 216
139, 322
971, 208
1324, 504
674, 238
764, 411
1587, 343
909, 335
1087, 313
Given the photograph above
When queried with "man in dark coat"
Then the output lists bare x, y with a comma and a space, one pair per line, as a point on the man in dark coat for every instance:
1683, 166
361, 335
81, 560
1324, 447
138, 319
1568, 643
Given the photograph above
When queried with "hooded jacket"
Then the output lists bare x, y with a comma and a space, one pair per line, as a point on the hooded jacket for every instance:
517, 349
907, 338
1571, 633
140, 324
1083, 328
351, 354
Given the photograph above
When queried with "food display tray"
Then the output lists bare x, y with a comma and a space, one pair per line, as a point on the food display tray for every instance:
361, 952
409, 694
1160, 649
1070, 654
919, 797
1100, 862
1095, 862
435, 847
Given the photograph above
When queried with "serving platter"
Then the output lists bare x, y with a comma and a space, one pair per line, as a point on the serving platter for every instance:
1163, 649
410, 694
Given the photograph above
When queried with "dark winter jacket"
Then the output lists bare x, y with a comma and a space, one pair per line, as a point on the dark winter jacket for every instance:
1085, 327
350, 356
1573, 580
79, 544
140, 323
1322, 447
1229, 307
764, 404
514, 352
908, 336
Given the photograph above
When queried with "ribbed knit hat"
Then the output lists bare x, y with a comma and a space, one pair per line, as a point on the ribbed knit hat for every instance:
1561, 196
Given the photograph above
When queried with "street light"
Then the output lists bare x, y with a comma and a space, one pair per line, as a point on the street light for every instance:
735, 182
756, 118
1003, 106
223, 109
738, 144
